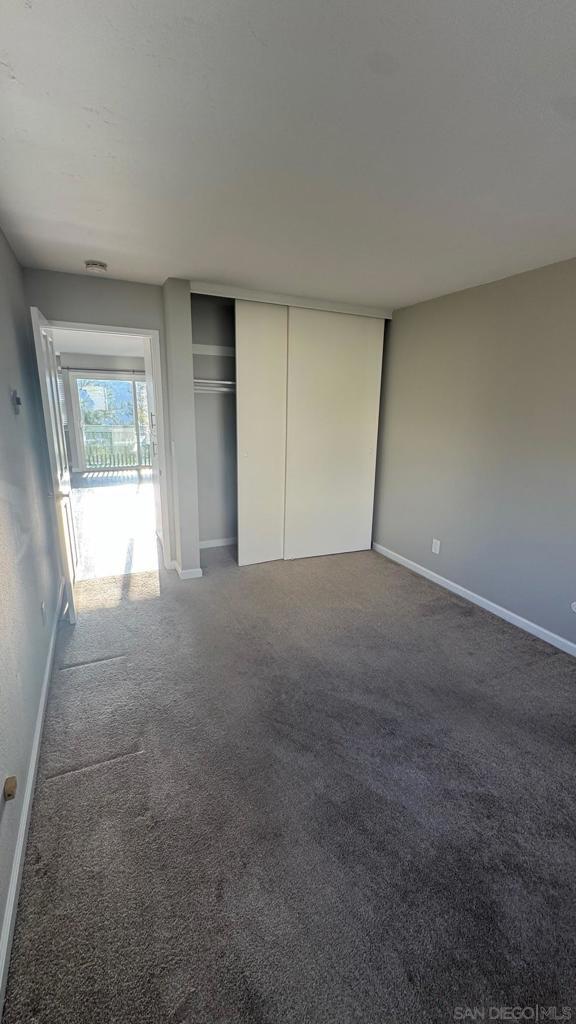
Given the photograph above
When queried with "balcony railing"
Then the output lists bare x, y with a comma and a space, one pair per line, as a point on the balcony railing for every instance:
115, 448
99, 456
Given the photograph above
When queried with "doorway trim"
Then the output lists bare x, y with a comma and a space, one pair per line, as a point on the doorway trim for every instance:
152, 337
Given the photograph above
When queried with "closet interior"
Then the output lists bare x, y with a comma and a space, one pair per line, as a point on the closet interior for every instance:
214, 361
286, 405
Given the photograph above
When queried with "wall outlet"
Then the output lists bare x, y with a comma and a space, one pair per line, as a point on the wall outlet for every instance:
435, 546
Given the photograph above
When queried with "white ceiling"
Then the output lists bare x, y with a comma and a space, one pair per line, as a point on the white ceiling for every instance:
380, 151
97, 343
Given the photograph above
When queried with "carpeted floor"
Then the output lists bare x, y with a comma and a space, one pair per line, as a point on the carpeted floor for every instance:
314, 791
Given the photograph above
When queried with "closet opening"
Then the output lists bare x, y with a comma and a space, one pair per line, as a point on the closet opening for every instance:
296, 392
214, 357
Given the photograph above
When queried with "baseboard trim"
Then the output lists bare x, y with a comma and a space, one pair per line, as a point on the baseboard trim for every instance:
503, 613
187, 574
9, 921
224, 542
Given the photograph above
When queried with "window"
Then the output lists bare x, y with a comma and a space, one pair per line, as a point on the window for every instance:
114, 422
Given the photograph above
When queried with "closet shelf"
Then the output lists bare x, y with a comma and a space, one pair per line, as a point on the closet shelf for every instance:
210, 387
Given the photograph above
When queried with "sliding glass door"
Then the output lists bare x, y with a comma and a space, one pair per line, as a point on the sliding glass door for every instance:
113, 421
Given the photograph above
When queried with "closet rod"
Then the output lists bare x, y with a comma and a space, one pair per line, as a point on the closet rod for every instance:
214, 387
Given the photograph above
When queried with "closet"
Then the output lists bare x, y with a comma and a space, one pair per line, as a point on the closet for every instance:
287, 404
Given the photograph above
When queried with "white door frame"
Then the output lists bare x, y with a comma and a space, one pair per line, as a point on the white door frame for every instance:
76, 441
152, 337
59, 492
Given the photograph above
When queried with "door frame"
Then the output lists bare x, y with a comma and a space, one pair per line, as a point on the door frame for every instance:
59, 490
152, 338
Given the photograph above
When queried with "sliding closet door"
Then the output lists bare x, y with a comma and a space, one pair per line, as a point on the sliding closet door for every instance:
261, 352
334, 370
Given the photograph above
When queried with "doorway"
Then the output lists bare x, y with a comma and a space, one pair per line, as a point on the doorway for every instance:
109, 406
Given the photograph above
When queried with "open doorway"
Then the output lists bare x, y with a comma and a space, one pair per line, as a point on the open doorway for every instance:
109, 392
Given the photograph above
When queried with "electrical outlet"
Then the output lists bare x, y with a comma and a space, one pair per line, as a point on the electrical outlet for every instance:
435, 546
16, 401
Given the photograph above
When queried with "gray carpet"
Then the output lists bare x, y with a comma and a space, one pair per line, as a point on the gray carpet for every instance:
316, 791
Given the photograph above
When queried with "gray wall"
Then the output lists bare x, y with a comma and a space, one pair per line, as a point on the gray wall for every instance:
216, 444
478, 442
178, 322
213, 324
28, 572
79, 298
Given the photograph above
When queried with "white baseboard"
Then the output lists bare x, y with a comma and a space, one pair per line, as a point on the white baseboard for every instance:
224, 542
503, 613
184, 574
9, 921
187, 574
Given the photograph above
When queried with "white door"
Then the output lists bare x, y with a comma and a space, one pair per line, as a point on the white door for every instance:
59, 469
261, 352
334, 371
152, 368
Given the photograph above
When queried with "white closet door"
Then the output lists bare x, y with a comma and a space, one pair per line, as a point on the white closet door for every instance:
261, 353
334, 371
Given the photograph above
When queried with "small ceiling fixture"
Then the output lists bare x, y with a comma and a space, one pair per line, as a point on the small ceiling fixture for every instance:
95, 266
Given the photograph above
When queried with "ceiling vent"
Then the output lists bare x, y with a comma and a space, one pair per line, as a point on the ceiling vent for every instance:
95, 266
